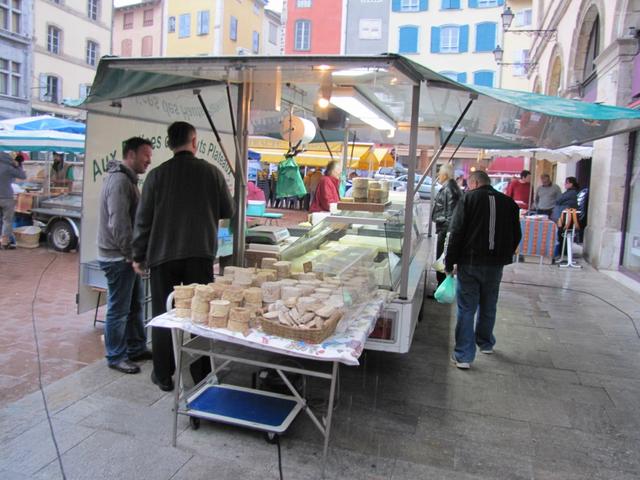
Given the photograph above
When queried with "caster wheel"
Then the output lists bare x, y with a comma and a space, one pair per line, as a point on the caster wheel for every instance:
271, 438
194, 422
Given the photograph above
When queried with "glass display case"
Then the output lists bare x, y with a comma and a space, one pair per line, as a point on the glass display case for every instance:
346, 240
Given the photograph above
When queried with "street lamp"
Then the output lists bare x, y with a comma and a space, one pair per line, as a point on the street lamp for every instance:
498, 55
507, 17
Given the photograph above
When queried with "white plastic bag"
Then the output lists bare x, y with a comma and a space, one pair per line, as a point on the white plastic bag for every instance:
439, 265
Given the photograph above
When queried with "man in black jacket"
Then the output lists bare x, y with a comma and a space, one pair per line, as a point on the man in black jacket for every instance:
484, 234
176, 235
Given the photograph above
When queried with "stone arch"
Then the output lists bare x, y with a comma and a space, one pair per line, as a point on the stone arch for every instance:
590, 12
537, 85
554, 77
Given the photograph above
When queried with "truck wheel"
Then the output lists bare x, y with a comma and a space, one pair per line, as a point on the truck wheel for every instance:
61, 236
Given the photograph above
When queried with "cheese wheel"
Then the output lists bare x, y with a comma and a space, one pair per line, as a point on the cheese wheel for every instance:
253, 296
268, 262
239, 319
183, 292
183, 312
218, 321
289, 292
270, 291
283, 269
219, 308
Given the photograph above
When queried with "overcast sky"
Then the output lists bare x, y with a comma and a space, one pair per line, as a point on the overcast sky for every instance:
273, 4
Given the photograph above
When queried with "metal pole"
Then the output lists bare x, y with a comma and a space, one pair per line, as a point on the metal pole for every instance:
215, 130
473, 97
345, 151
408, 211
239, 220
327, 428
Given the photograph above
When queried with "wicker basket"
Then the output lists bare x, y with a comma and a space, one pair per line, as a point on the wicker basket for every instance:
309, 336
27, 237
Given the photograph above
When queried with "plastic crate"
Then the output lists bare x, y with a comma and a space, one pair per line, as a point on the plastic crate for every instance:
93, 275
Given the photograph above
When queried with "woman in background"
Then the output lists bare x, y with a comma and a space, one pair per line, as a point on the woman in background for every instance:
327, 191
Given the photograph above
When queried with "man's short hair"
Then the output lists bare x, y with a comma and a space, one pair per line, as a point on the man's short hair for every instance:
545, 175
180, 134
480, 177
447, 169
133, 144
525, 173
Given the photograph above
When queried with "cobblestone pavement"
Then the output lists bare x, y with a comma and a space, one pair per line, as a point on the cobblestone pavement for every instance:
558, 400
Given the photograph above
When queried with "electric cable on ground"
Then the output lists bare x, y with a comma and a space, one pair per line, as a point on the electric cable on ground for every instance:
39, 361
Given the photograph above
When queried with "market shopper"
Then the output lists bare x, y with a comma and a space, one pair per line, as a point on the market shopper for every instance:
546, 195
61, 174
484, 234
569, 199
176, 235
327, 191
10, 169
443, 208
311, 181
125, 340
519, 189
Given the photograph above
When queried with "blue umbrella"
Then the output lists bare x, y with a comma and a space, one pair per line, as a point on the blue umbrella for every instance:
45, 122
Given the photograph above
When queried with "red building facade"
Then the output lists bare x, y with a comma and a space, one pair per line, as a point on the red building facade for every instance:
313, 27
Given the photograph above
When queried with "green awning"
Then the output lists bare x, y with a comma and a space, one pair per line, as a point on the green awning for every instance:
162, 90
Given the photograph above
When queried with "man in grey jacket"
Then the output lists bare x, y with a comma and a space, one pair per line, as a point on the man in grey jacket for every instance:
124, 335
9, 171
546, 195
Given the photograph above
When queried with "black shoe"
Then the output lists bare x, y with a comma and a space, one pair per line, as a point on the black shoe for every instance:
165, 386
140, 357
125, 366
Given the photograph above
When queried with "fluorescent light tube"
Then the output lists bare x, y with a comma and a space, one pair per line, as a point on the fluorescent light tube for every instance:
354, 103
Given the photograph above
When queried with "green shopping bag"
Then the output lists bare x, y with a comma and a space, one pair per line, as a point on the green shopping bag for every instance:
446, 292
290, 182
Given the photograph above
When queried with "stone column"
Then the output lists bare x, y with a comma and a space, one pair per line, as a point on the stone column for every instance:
603, 234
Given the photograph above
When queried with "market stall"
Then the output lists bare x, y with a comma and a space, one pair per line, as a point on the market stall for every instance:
382, 100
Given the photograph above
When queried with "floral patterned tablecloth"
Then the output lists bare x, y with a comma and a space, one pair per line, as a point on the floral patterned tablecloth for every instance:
344, 346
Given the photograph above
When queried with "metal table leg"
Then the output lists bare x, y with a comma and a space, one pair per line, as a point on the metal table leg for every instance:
177, 337
327, 428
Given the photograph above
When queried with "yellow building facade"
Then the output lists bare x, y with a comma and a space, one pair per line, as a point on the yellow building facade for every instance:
214, 27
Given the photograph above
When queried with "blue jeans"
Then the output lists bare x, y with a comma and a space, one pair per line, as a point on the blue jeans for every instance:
478, 289
124, 333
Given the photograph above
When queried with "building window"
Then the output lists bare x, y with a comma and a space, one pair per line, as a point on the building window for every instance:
203, 22
460, 77
450, 39
485, 3
233, 29
593, 49
255, 37
9, 78
485, 37
92, 53
409, 5
147, 46
184, 25
84, 90
302, 35
10, 15
92, 9
273, 33
50, 88
256, 7
303, 3
127, 21
483, 78
370, 29
524, 18
54, 38
126, 47
450, 5
521, 60
171, 24
147, 18
408, 41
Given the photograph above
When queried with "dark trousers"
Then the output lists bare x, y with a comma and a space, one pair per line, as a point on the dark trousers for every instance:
163, 278
442, 235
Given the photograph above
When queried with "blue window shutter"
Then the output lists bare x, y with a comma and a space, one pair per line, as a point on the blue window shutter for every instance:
500, 3
435, 39
483, 78
424, 5
473, 3
445, 4
454, 3
485, 37
463, 39
408, 40
462, 77
395, 5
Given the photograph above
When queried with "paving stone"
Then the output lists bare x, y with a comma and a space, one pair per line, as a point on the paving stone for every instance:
412, 471
199, 468
34, 449
108, 455
491, 462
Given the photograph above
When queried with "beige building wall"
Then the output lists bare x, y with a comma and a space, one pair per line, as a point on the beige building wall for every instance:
70, 65
271, 38
516, 47
140, 32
